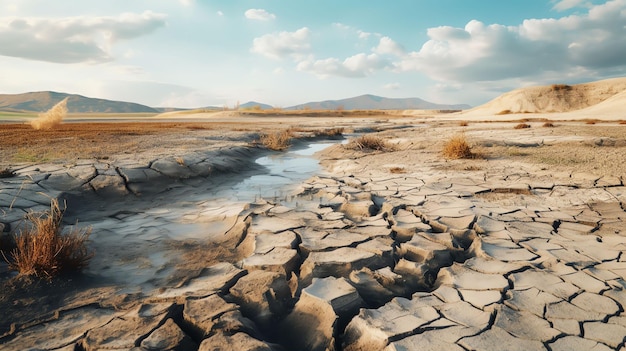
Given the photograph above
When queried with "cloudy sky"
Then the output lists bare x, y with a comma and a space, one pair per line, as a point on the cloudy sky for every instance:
193, 53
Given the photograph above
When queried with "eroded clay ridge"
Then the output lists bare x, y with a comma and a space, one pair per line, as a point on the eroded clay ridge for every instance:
396, 263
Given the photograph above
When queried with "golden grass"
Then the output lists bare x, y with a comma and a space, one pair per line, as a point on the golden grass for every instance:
522, 126
457, 147
277, 141
369, 142
44, 251
329, 132
51, 118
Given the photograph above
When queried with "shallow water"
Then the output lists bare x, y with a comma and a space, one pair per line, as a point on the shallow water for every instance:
138, 250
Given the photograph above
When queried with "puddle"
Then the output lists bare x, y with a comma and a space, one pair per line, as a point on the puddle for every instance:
138, 250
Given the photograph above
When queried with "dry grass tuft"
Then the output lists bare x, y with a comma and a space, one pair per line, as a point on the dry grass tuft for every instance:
51, 118
622, 122
397, 170
44, 251
591, 121
548, 125
330, 132
457, 147
369, 142
504, 112
277, 141
463, 124
7, 173
522, 126
559, 87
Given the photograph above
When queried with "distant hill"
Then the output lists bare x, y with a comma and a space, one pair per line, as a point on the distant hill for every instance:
44, 100
373, 102
604, 95
255, 105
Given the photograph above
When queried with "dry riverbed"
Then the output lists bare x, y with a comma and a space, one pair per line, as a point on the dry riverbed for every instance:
521, 245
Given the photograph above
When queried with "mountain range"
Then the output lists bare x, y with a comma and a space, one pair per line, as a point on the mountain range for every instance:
44, 100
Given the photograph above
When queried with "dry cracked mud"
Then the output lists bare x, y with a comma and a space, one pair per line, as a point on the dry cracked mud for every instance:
503, 252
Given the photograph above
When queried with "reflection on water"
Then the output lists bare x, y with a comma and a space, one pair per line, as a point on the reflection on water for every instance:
142, 247
286, 170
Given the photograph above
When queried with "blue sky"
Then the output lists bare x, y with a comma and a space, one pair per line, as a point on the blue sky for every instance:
194, 53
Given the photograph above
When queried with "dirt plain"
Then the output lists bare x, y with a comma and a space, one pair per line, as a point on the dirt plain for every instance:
568, 148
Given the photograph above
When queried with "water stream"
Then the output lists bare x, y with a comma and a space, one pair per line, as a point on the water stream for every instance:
138, 239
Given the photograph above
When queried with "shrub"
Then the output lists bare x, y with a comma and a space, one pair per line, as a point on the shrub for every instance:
329, 132
522, 126
504, 112
457, 147
397, 170
369, 142
559, 87
44, 251
622, 122
463, 124
51, 118
548, 125
591, 121
277, 141
6, 173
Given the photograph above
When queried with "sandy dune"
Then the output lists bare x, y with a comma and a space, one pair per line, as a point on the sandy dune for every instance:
602, 100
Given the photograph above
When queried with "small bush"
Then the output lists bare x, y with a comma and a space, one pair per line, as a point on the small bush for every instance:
522, 126
548, 125
6, 173
591, 121
457, 147
504, 112
329, 132
277, 141
559, 87
463, 124
397, 170
369, 142
44, 251
622, 122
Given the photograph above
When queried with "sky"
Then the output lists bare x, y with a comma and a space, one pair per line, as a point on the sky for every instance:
196, 53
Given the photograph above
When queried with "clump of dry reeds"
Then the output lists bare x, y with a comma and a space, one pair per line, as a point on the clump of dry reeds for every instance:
278, 140
330, 132
51, 118
369, 142
44, 251
522, 126
457, 147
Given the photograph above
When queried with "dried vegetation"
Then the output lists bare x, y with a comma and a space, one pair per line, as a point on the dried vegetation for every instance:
44, 251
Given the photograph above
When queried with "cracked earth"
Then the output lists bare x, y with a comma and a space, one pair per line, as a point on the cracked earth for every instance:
512, 251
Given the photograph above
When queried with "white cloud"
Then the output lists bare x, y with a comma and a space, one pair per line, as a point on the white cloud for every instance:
283, 44
563, 5
72, 39
357, 66
259, 15
392, 86
187, 3
386, 46
479, 52
220, 13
